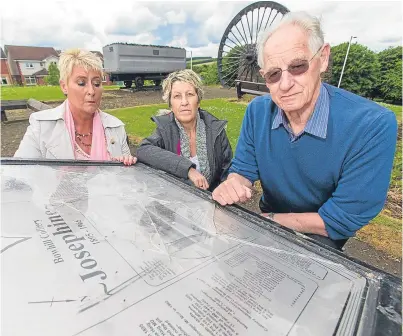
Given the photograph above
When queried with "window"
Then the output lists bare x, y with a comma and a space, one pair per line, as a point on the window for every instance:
111, 49
30, 80
156, 52
42, 64
29, 65
3, 81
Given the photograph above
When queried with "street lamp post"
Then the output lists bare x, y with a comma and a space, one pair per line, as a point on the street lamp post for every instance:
345, 59
191, 59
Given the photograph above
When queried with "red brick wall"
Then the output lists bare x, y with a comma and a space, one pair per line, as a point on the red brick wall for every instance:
40, 80
19, 70
4, 67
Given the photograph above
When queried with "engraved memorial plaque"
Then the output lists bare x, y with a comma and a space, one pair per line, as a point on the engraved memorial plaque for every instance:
113, 250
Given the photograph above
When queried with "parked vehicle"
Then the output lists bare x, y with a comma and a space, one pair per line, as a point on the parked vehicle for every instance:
136, 63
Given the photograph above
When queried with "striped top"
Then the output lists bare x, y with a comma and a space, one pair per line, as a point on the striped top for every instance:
317, 123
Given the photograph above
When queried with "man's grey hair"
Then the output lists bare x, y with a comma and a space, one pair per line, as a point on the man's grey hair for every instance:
186, 76
308, 23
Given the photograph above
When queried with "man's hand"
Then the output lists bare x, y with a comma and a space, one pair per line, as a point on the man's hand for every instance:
198, 179
127, 160
233, 190
308, 222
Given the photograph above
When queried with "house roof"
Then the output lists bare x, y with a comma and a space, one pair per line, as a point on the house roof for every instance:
50, 57
99, 54
42, 72
30, 53
2, 54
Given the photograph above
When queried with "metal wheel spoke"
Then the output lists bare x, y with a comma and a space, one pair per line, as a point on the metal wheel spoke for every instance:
250, 33
233, 64
231, 76
268, 19
229, 57
237, 51
243, 28
231, 72
257, 74
246, 76
240, 43
240, 75
273, 18
246, 42
257, 24
237, 54
261, 22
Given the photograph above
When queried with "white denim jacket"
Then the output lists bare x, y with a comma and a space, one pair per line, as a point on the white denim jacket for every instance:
47, 136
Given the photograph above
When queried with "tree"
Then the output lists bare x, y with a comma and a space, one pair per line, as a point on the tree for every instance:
53, 75
208, 72
361, 72
390, 79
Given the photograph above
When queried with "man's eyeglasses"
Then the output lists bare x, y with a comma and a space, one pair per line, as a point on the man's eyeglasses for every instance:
296, 68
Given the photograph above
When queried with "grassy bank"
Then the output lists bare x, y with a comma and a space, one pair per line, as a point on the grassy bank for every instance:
42, 93
139, 125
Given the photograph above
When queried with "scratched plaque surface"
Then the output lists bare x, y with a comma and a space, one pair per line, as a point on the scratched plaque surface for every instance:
92, 250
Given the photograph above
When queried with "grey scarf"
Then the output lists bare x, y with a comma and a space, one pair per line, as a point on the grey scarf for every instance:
201, 146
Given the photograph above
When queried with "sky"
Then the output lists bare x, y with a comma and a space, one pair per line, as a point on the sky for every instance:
197, 26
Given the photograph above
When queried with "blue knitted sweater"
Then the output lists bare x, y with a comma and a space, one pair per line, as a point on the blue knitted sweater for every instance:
344, 177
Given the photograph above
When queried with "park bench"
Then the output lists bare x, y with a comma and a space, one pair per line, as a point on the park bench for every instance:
31, 103
254, 88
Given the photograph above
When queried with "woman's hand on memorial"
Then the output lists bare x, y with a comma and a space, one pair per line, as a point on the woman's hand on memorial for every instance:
198, 179
127, 160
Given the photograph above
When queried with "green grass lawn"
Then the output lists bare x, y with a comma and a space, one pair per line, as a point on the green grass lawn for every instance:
397, 109
41, 93
139, 125
396, 181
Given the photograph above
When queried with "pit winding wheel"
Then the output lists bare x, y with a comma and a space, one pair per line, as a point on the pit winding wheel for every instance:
237, 56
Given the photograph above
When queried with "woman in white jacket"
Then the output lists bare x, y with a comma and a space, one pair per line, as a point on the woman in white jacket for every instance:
77, 129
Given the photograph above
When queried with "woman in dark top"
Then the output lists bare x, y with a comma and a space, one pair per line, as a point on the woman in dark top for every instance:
188, 142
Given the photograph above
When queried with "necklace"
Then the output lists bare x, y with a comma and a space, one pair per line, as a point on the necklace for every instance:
83, 143
79, 135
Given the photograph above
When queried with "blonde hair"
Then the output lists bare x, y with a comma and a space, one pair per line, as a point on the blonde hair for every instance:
308, 23
78, 57
186, 76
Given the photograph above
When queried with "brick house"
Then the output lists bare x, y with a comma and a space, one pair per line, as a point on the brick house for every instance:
28, 65
5, 76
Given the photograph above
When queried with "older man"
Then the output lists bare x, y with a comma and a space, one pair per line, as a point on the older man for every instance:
323, 155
